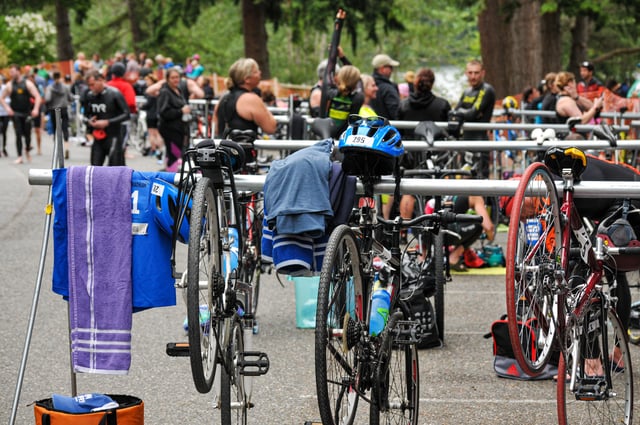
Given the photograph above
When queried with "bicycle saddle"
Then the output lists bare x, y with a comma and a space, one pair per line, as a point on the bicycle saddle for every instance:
323, 127
429, 131
241, 136
558, 159
234, 151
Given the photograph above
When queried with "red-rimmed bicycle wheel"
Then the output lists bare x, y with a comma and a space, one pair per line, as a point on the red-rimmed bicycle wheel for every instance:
533, 254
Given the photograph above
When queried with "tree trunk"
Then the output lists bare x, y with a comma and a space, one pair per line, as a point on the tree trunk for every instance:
63, 32
515, 41
255, 34
134, 23
579, 41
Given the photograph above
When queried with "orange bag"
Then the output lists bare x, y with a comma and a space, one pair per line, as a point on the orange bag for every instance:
130, 412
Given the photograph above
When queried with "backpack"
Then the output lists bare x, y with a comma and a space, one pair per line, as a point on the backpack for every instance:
418, 285
422, 312
504, 361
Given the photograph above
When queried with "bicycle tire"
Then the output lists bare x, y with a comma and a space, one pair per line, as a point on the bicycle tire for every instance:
340, 303
233, 398
438, 269
395, 394
256, 254
203, 265
529, 268
617, 405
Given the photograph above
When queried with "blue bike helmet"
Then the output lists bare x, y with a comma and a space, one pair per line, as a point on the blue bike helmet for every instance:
370, 146
165, 208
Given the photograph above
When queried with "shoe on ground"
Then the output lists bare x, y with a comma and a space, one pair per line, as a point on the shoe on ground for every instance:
459, 266
66, 154
18, 161
472, 260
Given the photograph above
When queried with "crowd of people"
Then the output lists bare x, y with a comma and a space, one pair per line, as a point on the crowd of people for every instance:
107, 90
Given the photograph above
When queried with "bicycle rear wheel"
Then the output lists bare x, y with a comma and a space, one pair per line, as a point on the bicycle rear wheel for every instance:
339, 326
203, 272
233, 398
395, 396
533, 249
603, 345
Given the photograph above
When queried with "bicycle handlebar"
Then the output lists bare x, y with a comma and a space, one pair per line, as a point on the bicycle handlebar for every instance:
443, 217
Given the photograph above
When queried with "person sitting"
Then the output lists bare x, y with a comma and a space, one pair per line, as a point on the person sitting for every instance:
461, 255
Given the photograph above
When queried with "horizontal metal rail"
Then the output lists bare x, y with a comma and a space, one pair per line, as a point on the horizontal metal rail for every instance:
467, 145
602, 189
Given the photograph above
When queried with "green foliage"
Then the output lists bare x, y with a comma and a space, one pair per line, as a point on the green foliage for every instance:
28, 38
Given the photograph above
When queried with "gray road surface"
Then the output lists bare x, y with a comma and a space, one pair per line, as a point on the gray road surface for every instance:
457, 382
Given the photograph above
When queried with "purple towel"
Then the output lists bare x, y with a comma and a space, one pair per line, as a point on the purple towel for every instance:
99, 234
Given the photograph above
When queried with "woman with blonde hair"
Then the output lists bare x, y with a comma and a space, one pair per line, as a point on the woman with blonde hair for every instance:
242, 108
345, 98
370, 90
570, 104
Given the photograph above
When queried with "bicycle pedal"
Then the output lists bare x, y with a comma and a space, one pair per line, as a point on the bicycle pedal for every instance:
253, 363
406, 332
591, 388
178, 349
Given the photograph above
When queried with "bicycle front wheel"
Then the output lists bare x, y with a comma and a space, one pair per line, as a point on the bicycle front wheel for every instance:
233, 399
203, 271
533, 249
395, 397
339, 327
438, 270
602, 392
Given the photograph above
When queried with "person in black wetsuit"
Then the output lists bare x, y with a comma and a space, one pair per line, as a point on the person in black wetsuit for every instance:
476, 105
106, 110
21, 90
242, 108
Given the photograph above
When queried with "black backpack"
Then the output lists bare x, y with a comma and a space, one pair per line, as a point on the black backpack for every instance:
416, 288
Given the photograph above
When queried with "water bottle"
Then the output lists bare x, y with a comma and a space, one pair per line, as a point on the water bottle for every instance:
532, 230
380, 303
231, 257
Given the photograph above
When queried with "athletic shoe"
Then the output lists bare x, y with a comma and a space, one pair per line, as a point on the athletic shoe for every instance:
472, 260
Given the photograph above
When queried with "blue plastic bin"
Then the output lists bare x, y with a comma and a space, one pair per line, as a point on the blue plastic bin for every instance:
306, 300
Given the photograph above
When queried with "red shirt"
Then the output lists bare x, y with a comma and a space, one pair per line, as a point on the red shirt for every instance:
127, 91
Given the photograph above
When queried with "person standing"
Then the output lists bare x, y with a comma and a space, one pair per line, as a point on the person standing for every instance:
4, 119
589, 84
106, 110
58, 95
174, 116
241, 108
20, 90
387, 100
118, 81
151, 107
422, 104
344, 99
476, 105
370, 91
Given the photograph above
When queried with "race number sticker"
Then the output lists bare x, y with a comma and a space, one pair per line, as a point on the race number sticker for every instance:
356, 140
157, 189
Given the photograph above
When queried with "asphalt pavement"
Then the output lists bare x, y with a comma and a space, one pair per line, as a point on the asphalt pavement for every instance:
457, 382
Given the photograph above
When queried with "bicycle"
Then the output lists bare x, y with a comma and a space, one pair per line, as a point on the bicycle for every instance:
219, 302
353, 362
556, 296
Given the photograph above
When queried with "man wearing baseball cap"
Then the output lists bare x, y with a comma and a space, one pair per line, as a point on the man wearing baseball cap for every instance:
387, 100
589, 83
